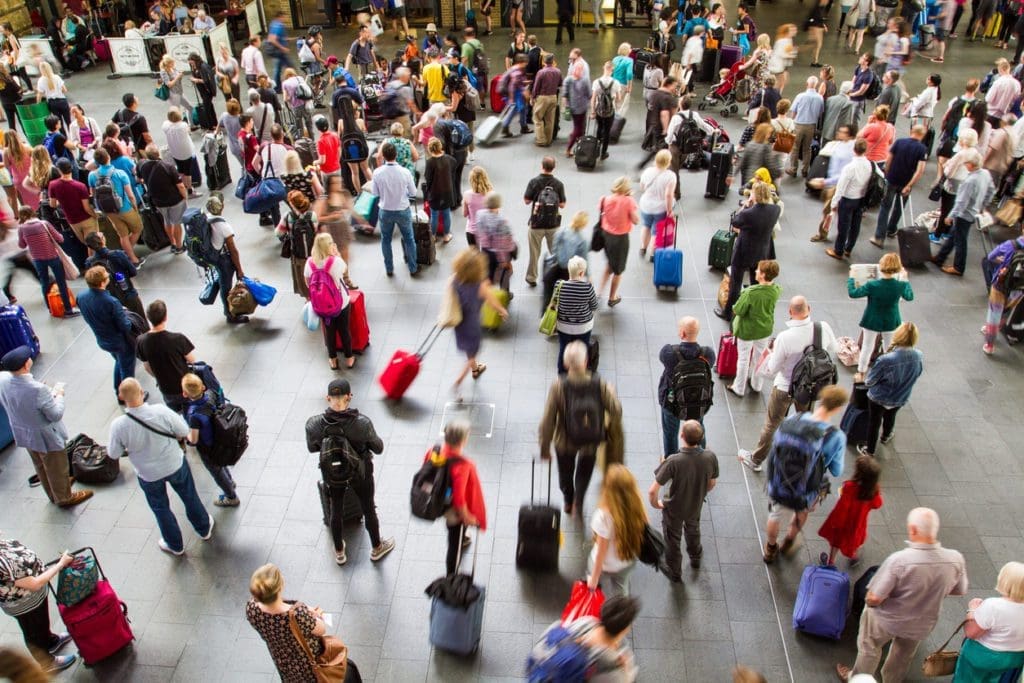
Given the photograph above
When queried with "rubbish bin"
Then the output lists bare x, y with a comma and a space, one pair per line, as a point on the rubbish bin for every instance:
32, 115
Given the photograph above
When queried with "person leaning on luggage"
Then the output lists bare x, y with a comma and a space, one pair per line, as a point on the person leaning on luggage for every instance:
575, 460
467, 497
342, 420
24, 581
671, 354
693, 472
36, 414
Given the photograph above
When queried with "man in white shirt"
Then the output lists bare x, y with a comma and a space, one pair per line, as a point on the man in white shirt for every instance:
1000, 97
839, 153
252, 61
787, 350
152, 436
395, 185
693, 55
848, 201
679, 156
272, 162
229, 263
203, 23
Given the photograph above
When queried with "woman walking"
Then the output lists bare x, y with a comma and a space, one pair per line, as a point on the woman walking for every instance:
569, 242
657, 198
890, 381
439, 189
783, 54
228, 74
42, 240
816, 26
230, 123
472, 289
474, 199
618, 524
17, 160
51, 88
468, 507
494, 238
619, 213
297, 230
326, 270
575, 306
576, 93
752, 323
993, 651
882, 314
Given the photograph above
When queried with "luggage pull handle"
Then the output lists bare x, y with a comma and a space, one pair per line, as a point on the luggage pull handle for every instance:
81, 551
458, 555
533, 474
428, 343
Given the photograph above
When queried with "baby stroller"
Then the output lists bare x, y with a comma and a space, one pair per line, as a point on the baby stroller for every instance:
723, 93
371, 88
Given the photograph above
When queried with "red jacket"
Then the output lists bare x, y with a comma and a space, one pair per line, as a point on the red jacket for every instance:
466, 490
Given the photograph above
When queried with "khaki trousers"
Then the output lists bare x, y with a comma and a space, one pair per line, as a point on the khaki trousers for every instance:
536, 235
54, 474
871, 638
779, 403
544, 109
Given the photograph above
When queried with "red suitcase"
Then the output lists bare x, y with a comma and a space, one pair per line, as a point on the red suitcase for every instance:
358, 325
404, 366
98, 624
497, 101
728, 355
101, 46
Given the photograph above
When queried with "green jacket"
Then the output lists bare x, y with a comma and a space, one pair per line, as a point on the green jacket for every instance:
754, 312
882, 313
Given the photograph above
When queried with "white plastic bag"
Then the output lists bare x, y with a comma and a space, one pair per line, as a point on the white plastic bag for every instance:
311, 319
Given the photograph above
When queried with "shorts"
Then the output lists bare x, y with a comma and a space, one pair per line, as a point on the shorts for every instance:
126, 223
172, 215
940, 33
616, 248
861, 24
486, 7
83, 229
779, 513
397, 13
184, 167
650, 220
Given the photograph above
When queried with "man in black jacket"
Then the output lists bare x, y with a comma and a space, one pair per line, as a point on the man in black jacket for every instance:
670, 355
341, 420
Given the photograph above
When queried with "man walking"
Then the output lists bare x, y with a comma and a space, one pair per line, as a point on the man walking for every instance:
36, 414
328, 434
693, 472
903, 168
395, 186
973, 196
566, 19
904, 598
806, 110
796, 481
681, 387
787, 350
106, 318
166, 356
848, 200
277, 46
546, 194
153, 438
839, 153
546, 86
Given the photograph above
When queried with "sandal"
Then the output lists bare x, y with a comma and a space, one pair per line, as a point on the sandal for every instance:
479, 370
333, 362
612, 303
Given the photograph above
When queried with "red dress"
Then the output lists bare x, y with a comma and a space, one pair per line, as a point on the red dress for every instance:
847, 525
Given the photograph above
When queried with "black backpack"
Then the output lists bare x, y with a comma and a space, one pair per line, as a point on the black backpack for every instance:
604, 105
813, 372
874, 88
340, 465
116, 290
689, 136
104, 196
1013, 272
796, 466
302, 233
545, 209
584, 412
876, 188
690, 388
430, 495
230, 434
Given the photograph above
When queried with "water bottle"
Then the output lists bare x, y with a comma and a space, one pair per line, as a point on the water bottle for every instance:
121, 280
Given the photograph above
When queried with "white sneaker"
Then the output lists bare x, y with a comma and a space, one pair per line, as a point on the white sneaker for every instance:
385, 547
745, 457
210, 532
162, 544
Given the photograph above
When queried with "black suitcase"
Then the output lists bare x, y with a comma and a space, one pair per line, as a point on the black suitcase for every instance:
153, 234
818, 170
860, 592
586, 152
915, 247
642, 59
1012, 323
708, 67
351, 509
719, 170
855, 419
593, 353
425, 251
540, 530
618, 124
218, 175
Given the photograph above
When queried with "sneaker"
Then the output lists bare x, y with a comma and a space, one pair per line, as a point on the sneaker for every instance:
935, 239
162, 544
887, 438
385, 547
863, 450
988, 349
771, 551
225, 502
72, 314
33, 481
193, 193
747, 459
466, 542
339, 556
141, 263
876, 243
61, 663
76, 498
62, 640
209, 533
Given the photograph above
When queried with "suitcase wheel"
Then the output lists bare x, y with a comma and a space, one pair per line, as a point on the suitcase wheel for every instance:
702, 106
734, 108
724, 113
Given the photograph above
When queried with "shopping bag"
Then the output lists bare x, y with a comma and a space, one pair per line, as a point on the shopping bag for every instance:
261, 292
311, 319
583, 602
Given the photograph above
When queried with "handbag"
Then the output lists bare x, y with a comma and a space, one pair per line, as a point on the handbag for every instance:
450, 314
723, 291
78, 580
935, 194
211, 289
549, 322
330, 666
162, 92
245, 184
241, 300
597, 239
70, 269
266, 194
1010, 212
583, 602
711, 43
783, 142
311, 319
652, 547
262, 293
942, 662
852, 16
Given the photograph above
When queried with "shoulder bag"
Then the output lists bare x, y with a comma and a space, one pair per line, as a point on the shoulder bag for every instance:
450, 314
268, 192
146, 425
942, 662
597, 239
331, 665
549, 322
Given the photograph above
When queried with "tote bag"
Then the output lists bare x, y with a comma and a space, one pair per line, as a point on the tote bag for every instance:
265, 194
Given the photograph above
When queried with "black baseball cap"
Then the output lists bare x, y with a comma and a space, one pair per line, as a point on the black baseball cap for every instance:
339, 387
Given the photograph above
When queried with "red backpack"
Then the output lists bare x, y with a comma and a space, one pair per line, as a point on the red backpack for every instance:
324, 294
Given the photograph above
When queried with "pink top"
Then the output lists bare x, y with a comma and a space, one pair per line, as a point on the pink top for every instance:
40, 237
19, 171
879, 135
426, 133
474, 201
619, 214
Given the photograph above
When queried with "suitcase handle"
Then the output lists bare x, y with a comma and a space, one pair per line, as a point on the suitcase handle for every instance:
458, 555
428, 343
82, 551
533, 474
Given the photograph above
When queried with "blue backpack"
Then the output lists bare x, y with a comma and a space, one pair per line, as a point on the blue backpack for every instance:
462, 136
796, 465
558, 658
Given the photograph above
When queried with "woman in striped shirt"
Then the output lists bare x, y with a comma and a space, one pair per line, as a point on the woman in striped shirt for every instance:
42, 239
576, 304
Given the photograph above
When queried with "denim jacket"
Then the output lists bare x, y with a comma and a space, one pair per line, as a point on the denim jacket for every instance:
892, 377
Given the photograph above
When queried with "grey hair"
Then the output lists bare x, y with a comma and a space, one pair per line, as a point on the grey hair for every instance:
456, 432
925, 520
575, 356
254, 96
577, 266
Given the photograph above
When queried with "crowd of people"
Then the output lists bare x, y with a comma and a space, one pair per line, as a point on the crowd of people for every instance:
89, 183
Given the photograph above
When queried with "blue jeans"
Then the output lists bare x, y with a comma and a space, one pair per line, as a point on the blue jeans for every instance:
958, 233
890, 213
124, 363
518, 107
439, 214
563, 340
670, 425
282, 62
649, 220
156, 495
389, 220
850, 213
43, 268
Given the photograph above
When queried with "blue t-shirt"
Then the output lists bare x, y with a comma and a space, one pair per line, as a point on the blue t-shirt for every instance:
277, 29
123, 163
198, 414
119, 180
860, 78
906, 154
622, 70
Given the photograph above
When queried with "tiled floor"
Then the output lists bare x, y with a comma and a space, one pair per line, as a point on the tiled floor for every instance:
953, 449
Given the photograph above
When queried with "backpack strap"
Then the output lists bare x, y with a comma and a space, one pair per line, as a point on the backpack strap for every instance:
816, 338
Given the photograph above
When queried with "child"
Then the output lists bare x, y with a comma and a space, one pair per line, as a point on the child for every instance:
846, 528
425, 127
199, 414
296, 231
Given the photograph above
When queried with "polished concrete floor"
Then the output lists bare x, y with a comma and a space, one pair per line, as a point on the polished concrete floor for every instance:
953, 450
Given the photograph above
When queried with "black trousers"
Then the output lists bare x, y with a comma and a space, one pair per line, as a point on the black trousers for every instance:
879, 417
550, 277
337, 328
736, 273
451, 561
604, 132
364, 492
565, 20
35, 627
574, 474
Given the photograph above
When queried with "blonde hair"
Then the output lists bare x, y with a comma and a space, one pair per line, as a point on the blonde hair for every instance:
167, 63
1010, 583
782, 108
762, 193
321, 250
292, 163
435, 147
620, 497
469, 266
577, 266
174, 115
266, 584
46, 71
881, 112
784, 30
41, 165
763, 132
890, 263
622, 185
15, 148
192, 385
579, 220
905, 336
492, 202
764, 41
625, 49
288, 73
663, 159
479, 181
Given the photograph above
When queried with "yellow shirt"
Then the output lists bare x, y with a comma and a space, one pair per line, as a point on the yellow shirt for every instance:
433, 76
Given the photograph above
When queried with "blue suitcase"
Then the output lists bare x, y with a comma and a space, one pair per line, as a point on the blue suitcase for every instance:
16, 330
456, 628
668, 266
821, 601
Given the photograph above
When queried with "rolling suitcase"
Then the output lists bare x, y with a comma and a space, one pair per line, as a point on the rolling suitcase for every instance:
426, 253
218, 175
915, 247
456, 628
153, 234
351, 509
817, 171
99, 623
586, 152
709, 67
720, 249
358, 325
55, 303
540, 530
719, 170
488, 130
668, 266
16, 330
729, 55
404, 366
860, 592
855, 418
489, 317
498, 101
641, 59
728, 356
821, 600
618, 124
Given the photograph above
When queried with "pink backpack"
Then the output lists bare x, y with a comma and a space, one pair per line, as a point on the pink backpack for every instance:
324, 295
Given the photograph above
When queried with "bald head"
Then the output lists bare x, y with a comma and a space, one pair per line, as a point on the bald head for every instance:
130, 391
918, 132
799, 308
689, 328
923, 525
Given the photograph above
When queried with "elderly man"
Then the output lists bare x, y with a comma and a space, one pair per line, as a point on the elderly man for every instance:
839, 153
839, 111
904, 598
973, 196
36, 414
806, 110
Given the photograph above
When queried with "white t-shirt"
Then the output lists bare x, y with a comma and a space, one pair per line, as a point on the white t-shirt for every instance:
655, 183
179, 140
1004, 621
601, 524
220, 231
780, 58
337, 272
275, 152
50, 93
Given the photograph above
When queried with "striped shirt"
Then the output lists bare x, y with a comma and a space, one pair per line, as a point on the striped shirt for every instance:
39, 236
577, 302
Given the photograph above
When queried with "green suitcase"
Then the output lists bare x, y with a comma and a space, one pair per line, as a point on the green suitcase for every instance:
720, 250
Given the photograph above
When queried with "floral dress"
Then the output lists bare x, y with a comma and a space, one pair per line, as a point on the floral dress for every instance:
275, 629
303, 182
758, 71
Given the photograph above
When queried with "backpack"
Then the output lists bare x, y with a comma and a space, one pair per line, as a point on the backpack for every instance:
481, 65
354, 148
988, 80
584, 412
545, 209
690, 387
874, 88
230, 434
796, 466
461, 135
430, 495
199, 238
124, 125
204, 372
604, 105
558, 658
340, 465
104, 197
324, 295
390, 102
876, 188
689, 136
814, 371
114, 287
743, 90
303, 92
301, 233
306, 149
1013, 272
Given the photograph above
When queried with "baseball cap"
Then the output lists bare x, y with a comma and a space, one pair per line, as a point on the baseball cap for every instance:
15, 359
337, 387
